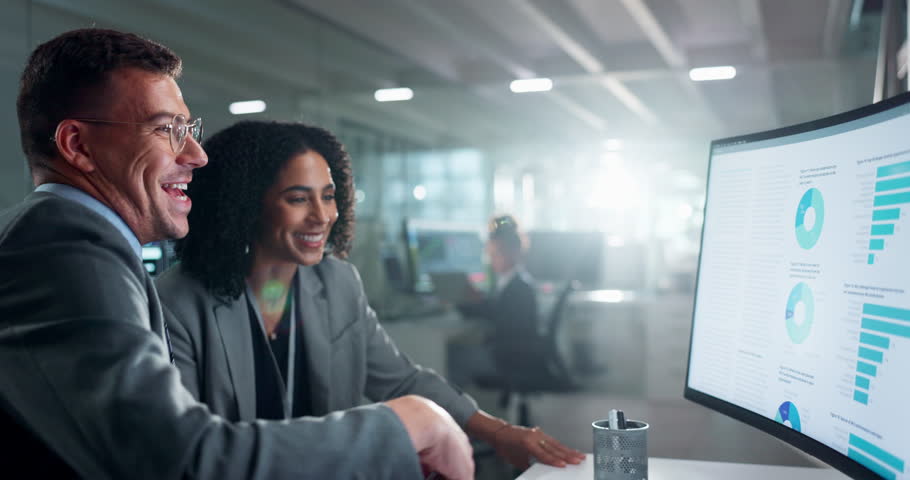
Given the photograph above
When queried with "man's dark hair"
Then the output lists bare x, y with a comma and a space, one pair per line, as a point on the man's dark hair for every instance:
244, 161
65, 76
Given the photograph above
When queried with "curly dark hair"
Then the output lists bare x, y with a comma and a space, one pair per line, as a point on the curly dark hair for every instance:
244, 161
64, 77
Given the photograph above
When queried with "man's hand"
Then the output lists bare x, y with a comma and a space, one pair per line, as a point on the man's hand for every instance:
441, 444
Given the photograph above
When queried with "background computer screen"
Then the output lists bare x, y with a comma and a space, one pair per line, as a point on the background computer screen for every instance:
801, 325
442, 247
561, 256
157, 256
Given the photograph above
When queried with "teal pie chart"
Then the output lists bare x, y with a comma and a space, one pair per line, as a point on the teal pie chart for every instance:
800, 312
788, 414
810, 217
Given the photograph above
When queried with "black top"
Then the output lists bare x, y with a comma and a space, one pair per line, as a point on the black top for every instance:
271, 369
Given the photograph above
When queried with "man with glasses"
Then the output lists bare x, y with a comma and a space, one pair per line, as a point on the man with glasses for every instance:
87, 385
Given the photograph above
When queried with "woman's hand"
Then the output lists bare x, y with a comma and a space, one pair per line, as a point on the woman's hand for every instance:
517, 444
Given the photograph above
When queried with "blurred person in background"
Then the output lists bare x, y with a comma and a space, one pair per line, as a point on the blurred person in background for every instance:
512, 308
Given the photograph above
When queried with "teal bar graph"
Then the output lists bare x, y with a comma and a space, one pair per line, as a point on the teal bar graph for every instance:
861, 397
886, 214
888, 170
877, 453
862, 382
883, 229
888, 312
866, 368
871, 464
874, 340
877, 244
893, 199
893, 184
886, 327
871, 355
871, 259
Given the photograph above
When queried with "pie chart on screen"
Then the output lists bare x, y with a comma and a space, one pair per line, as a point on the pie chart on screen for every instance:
800, 312
810, 217
788, 415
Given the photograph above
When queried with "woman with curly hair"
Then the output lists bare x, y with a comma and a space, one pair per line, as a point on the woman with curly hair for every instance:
268, 320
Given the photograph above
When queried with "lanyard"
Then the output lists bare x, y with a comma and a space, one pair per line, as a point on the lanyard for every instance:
292, 345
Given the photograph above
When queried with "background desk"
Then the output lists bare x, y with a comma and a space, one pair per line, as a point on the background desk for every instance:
671, 468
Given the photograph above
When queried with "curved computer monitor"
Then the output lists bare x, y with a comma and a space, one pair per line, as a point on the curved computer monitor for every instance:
801, 325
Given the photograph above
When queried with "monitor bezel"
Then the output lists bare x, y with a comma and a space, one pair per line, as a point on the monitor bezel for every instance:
797, 439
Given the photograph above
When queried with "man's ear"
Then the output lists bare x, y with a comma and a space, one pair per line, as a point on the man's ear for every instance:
70, 137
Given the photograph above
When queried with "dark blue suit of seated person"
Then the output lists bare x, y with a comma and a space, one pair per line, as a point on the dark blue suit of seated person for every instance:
269, 320
512, 308
87, 384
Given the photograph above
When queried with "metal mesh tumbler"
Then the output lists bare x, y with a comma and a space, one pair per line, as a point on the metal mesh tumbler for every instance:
620, 454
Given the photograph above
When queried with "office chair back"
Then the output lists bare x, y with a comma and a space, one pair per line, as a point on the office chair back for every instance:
555, 326
536, 369
538, 365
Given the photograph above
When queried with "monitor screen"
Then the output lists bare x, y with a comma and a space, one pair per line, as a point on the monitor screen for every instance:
442, 247
152, 255
157, 256
801, 324
562, 256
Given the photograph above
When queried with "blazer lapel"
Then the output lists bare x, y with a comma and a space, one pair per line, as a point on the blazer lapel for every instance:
156, 318
157, 322
232, 320
314, 314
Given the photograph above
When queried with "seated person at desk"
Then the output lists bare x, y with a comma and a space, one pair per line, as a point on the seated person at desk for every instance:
512, 308
269, 326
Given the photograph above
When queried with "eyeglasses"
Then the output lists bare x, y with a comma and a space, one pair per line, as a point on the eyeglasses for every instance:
177, 129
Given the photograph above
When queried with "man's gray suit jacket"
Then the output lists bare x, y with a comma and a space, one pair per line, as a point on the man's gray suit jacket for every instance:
350, 358
84, 370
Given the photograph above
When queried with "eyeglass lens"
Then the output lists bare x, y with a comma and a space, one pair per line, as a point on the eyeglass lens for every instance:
179, 129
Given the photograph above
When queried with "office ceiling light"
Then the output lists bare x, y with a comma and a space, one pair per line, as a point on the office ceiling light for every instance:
393, 94
712, 73
531, 85
249, 106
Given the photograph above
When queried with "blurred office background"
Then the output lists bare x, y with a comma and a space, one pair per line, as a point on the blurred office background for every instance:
604, 166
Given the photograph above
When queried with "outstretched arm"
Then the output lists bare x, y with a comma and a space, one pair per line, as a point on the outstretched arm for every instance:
518, 444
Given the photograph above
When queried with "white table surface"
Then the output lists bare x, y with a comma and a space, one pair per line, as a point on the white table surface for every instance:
671, 468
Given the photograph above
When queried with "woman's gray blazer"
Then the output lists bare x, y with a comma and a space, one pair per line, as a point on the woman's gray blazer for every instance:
351, 358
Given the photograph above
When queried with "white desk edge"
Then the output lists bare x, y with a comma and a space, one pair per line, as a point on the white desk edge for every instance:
672, 468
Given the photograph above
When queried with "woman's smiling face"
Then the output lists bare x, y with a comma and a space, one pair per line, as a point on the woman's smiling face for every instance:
298, 211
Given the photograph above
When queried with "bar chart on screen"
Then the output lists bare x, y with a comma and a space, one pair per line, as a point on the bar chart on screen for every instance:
877, 459
882, 328
890, 202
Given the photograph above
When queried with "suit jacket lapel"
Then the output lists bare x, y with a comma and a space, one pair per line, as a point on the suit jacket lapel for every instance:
157, 322
156, 318
314, 314
232, 320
